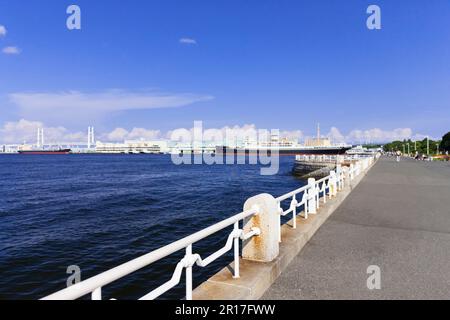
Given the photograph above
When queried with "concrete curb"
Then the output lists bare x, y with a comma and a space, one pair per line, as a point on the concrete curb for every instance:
257, 277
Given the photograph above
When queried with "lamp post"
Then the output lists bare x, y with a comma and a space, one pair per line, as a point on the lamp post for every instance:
409, 154
428, 146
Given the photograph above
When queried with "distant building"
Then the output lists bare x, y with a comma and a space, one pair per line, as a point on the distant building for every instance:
276, 141
318, 141
151, 147
25, 147
12, 148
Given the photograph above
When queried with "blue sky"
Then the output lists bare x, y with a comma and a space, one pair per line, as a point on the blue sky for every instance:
273, 64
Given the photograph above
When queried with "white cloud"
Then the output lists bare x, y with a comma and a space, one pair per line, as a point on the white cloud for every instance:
2, 31
335, 135
25, 131
180, 132
115, 100
80, 107
121, 134
379, 135
231, 134
141, 133
295, 135
376, 135
117, 134
247, 129
11, 50
188, 41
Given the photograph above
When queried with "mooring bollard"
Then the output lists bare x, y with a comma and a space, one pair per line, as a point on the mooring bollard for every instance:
265, 247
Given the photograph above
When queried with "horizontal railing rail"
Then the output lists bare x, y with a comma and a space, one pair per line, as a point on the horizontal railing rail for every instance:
308, 197
94, 284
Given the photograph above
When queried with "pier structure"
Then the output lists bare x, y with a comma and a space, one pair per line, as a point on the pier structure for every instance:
319, 166
396, 223
261, 244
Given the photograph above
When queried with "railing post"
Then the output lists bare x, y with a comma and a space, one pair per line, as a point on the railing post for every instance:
333, 184
339, 176
294, 212
97, 294
189, 274
280, 212
265, 247
346, 174
317, 196
236, 253
312, 206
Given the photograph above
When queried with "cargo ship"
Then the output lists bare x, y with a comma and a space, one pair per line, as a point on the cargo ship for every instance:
46, 152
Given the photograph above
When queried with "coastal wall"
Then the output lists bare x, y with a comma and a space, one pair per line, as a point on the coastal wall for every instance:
257, 277
305, 169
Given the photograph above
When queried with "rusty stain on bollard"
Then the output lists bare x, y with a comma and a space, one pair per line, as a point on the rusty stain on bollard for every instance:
256, 220
265, 247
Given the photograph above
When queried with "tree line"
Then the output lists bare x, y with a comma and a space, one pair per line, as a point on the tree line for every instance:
435, 146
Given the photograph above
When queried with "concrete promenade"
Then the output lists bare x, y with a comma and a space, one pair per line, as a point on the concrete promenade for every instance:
397, 218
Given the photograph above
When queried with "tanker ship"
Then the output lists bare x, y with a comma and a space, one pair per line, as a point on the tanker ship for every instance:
46, 152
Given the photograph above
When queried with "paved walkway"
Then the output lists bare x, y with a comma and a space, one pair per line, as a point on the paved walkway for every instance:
397, 218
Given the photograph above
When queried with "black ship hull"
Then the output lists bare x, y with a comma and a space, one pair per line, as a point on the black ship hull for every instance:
45, 152
283, 151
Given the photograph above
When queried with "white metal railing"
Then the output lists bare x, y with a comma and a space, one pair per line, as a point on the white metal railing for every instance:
309, 195
331, 158
94, 285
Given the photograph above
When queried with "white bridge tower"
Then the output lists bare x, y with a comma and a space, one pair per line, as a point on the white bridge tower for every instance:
91, 137
40, 138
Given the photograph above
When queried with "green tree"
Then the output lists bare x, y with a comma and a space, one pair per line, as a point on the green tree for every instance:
445, 144
419, 146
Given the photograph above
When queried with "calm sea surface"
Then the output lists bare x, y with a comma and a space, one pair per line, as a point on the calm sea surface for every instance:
98, 211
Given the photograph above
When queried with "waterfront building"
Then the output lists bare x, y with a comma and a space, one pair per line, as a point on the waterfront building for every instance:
133, 147
11, 148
